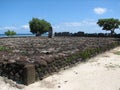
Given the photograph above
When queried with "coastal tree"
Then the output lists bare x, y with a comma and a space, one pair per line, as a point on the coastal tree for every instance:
39, 26
10, 32
109, 24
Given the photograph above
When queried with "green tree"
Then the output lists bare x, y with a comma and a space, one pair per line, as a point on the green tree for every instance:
10, 33
38, 26
109, 24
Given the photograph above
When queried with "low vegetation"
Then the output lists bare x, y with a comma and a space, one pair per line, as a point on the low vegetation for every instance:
118, 53
10, 33
3, 48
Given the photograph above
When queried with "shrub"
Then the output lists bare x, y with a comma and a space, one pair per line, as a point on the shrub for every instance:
10, 33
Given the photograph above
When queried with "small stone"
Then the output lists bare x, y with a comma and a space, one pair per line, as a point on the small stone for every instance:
59, 86
19, 86
45, 52
12, 61
65, 81
16, 51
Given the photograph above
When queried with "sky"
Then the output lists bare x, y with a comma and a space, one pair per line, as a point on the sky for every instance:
64, 15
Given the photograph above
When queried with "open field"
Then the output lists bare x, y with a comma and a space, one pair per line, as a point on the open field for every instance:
26, 60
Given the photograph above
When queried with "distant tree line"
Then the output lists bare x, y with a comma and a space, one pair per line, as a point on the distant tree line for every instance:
41, 26
82, 34
108, 24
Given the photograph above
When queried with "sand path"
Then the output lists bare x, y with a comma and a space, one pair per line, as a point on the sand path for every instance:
99, 73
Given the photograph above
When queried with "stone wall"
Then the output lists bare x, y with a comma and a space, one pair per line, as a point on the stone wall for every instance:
32, 59
26, 73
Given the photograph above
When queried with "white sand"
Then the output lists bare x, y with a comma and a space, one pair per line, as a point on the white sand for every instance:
100, 73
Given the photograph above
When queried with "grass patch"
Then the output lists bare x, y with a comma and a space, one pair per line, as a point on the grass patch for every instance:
3, 48
118, 53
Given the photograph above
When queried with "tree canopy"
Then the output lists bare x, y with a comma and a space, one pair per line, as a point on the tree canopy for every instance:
109, 24
39, 26
10, 33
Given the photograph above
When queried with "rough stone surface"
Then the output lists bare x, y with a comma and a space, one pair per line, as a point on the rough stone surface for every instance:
29, 74
26, 59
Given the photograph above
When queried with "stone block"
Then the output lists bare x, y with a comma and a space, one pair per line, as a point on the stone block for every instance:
50, 33
29, 74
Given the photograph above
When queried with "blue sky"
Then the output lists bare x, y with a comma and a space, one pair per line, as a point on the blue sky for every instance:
64, 15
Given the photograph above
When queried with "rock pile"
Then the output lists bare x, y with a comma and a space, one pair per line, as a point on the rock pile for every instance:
28, 59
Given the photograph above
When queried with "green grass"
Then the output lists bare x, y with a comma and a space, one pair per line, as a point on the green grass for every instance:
118, 53
3, 48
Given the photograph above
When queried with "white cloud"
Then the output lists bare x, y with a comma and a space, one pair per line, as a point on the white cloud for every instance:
8, 27
100, 10
75, 26
89, 22
14, 27
17, 29
81, 23
25, 27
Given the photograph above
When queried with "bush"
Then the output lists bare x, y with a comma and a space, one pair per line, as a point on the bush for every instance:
10, 33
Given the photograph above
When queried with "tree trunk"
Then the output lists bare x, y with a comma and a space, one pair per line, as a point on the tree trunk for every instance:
112, 32
38, 34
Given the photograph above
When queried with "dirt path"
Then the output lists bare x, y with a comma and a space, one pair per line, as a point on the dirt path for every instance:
100, 73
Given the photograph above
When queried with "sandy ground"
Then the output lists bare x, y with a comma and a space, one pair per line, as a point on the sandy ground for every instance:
99, 73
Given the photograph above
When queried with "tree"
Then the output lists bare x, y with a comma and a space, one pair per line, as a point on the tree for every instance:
38, 26
10, 33
109, 24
